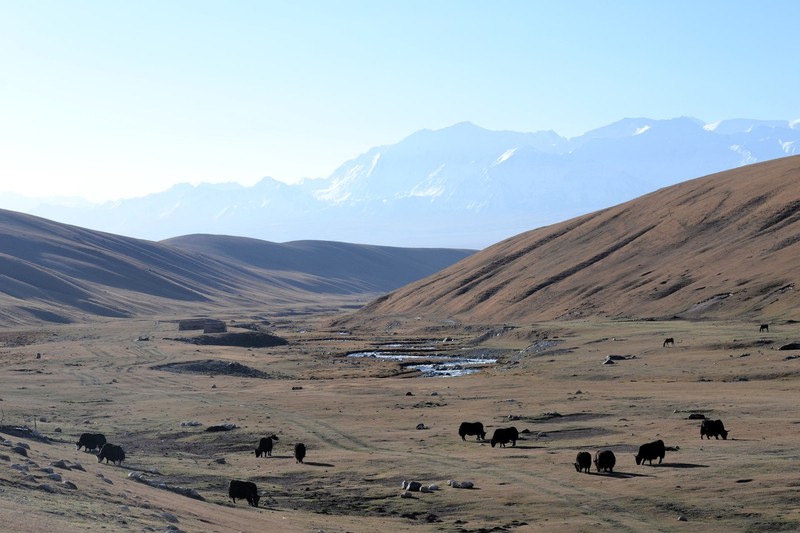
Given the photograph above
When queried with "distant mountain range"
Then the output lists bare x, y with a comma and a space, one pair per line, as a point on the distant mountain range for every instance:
460, 187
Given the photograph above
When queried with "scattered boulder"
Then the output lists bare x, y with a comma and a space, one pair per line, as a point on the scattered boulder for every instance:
20, 450
222, 427
70, 485
790, 346
696, 416
421, 426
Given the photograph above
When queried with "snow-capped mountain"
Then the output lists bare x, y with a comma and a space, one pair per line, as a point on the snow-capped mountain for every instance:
461, 186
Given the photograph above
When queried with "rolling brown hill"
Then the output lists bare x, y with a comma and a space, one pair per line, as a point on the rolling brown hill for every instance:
52, 272
721, 246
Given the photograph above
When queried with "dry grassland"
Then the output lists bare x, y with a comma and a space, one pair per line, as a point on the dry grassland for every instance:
358, 419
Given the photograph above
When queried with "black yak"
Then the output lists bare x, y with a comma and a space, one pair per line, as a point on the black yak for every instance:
605, 460
111, 452
713, 428
299, 452
265, 446
471, 428
583, 462
505, 435
91, 441
650, 451
244, 490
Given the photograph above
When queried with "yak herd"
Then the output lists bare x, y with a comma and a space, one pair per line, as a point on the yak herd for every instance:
243, 490
604, 460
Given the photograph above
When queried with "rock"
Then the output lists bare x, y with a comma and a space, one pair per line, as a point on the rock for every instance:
413, 486
433, 487
21, 468
421, 426
4, 457
77, 466
697, 416
467, 484
24, 445
47, 470
220, 460
20, 450
47, 488
191, 423
70, 485
406, 494
682, 518
55, 477
60, 464
609, 362
169, 517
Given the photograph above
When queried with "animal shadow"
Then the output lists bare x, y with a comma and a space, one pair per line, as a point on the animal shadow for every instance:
679, 465
619, 475
311, 463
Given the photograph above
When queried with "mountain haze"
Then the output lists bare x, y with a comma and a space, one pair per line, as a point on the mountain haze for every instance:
457, 187
724, 246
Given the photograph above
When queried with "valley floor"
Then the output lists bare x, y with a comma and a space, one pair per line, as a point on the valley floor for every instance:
359, 419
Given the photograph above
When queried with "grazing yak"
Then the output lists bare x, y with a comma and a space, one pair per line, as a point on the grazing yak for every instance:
244, 490
650, 451
265, 446
583, 462
505, 435
764, 328
91, 441
472, 428
111, 452
604, 460
669, 341
299, 452
713, 428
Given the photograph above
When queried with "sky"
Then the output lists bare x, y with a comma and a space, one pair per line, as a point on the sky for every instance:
117, 99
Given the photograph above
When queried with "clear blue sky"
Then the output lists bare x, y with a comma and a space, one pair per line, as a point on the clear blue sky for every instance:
108, 99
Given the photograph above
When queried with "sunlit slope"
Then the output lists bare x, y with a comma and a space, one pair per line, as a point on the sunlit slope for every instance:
724, 245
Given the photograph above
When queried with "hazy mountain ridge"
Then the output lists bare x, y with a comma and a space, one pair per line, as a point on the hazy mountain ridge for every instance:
462, 186
55, 272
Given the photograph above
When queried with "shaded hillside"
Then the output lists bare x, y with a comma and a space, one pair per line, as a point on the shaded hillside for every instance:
54, 272
365, 267
726, 245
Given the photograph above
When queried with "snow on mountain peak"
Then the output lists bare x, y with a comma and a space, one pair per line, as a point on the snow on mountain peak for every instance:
641, 130
506, 155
